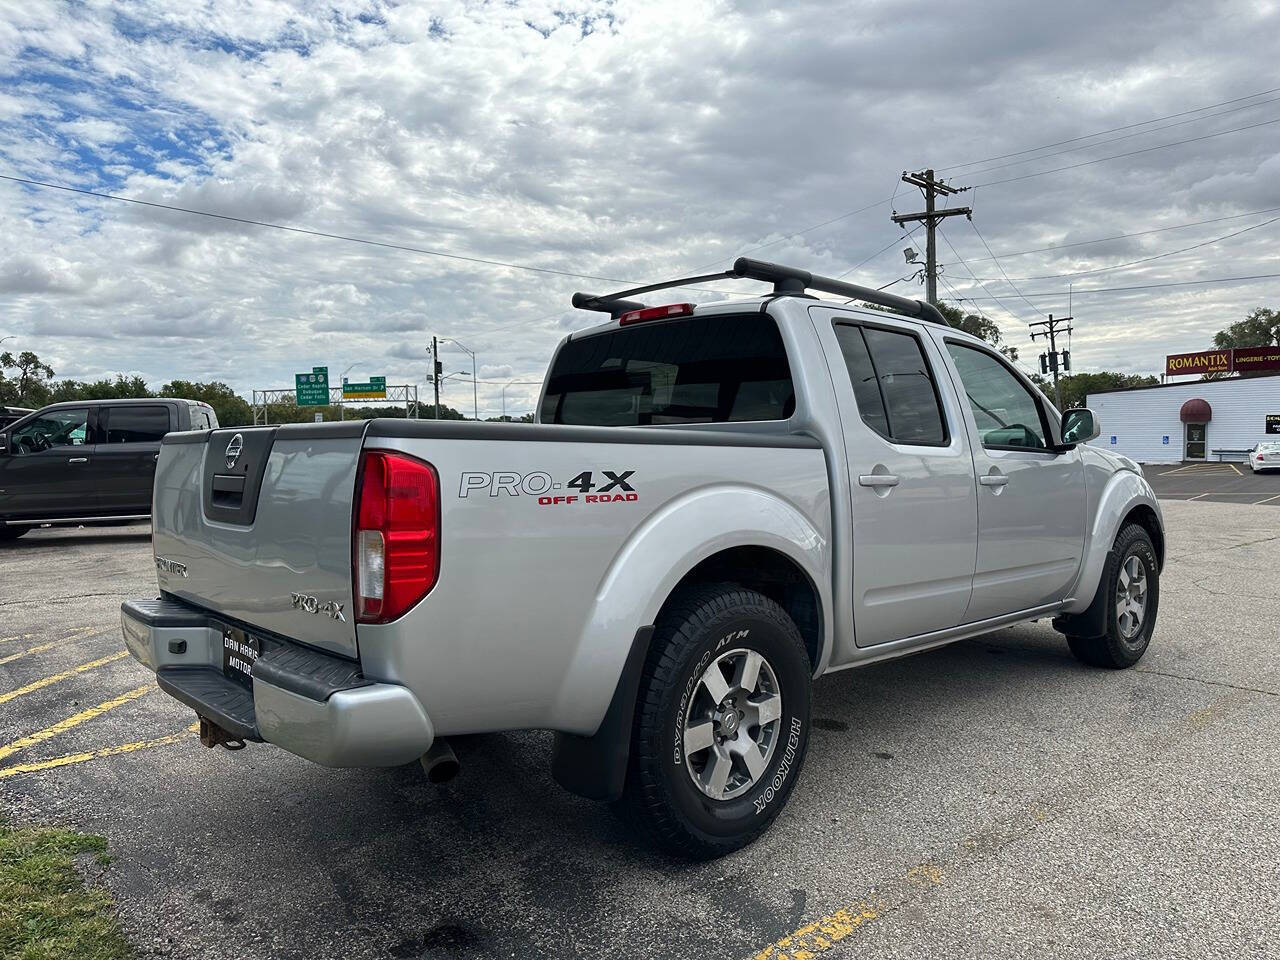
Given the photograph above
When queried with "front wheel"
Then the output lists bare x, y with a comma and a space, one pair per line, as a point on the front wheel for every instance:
722, 721
1131, 590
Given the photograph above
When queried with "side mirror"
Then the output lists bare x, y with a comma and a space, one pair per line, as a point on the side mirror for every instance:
1079, 425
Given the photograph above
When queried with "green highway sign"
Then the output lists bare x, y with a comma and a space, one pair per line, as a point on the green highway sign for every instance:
374, 389
312, 389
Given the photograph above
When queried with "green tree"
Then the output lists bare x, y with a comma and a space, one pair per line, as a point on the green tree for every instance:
232, 409
29, 387
1076, 387
121, 388
1261, 328
984, 328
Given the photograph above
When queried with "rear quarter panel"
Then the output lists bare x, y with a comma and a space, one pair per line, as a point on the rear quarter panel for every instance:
539, 596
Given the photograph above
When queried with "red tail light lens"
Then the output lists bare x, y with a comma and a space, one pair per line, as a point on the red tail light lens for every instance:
656, 313
397, 535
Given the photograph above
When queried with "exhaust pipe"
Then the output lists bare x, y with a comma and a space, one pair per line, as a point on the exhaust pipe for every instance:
440, 762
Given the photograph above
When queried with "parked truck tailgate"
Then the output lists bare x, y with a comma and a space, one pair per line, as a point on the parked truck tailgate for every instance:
255, 524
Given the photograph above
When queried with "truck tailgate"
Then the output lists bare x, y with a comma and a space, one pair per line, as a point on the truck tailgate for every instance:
255, 524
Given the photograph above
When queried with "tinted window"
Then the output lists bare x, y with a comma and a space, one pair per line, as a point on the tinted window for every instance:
135, 424
694, 370
908, 395
1005, 410
866, 391
57, 428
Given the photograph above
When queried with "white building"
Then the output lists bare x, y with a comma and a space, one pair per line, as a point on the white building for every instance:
1188, 421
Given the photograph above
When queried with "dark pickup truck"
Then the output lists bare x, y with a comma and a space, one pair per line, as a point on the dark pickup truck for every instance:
92, 460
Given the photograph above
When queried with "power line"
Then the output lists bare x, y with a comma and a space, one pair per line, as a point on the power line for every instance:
1126, 236
310, 233
1128, 126
1127, 136
1158, 256
792, 236
892, 243
1038, 295
990, 295
1000, 265
1131, 153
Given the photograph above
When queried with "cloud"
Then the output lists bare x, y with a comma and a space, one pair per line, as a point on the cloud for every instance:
633, 140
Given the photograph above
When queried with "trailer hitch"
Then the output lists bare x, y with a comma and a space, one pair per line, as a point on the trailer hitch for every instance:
212, 735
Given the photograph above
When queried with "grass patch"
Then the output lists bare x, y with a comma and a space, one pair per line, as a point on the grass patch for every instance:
46, 912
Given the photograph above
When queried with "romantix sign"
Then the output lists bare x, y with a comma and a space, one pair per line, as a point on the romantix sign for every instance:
1237, 360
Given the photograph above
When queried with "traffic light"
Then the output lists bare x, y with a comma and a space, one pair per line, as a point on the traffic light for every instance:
1044, 363
439, 368
1066, 360
1053, 362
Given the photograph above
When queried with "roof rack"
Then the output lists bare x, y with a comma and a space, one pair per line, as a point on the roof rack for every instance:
786, 280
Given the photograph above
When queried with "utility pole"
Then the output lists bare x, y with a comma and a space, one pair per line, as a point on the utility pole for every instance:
1050, 361
931, 217
435, 372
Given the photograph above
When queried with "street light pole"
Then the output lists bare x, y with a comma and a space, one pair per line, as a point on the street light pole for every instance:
475, 394
504, 398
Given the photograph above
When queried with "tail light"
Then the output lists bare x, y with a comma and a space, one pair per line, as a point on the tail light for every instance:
656, 313
397, 535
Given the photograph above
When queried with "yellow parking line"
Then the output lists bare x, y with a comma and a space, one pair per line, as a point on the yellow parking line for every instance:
73, 721
819, 936
78, 635
37, 765
55, 678
40, 648
824, 933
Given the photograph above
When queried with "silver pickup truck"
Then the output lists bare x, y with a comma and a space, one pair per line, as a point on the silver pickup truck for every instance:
719, 504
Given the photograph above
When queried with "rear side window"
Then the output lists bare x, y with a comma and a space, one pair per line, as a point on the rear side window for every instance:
135, 424
694, 370
893, 385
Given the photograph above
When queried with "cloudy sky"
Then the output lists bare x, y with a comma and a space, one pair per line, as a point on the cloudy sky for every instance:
631, 140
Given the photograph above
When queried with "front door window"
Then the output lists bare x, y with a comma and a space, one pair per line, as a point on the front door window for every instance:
57, 428
1196, 433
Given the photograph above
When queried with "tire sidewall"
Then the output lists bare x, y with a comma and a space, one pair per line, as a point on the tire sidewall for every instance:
721, 820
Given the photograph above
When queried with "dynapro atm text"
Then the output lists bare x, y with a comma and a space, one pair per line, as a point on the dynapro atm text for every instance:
615, 488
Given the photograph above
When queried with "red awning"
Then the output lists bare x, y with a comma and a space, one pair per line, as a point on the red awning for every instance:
1196, 411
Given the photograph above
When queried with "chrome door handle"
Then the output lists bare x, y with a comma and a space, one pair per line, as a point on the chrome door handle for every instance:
877, 480
156, 457
78, 460
993, 480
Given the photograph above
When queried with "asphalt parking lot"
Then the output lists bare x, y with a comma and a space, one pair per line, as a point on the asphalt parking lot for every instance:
991, 799
1215, 482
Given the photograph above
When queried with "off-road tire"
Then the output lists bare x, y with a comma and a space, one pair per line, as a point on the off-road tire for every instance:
1112, 650
661, 797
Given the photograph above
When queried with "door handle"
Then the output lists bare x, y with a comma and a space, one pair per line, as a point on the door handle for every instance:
78, 460
877, 480
993, 480
155, 457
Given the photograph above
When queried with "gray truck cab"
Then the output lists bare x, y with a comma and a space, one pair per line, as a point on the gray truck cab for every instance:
87, 460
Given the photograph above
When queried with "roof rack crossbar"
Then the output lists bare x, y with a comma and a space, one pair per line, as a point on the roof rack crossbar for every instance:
785, 280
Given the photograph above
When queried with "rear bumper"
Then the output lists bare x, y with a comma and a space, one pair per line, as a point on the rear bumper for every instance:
314, 705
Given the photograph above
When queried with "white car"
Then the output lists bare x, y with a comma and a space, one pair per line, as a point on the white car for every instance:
1265, 456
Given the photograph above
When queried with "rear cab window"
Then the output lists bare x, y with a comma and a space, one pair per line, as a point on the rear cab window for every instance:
893, 384
134, 424
720, 369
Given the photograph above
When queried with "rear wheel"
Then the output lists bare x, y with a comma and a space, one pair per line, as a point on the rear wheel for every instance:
12, 533
722, 721
1131, 588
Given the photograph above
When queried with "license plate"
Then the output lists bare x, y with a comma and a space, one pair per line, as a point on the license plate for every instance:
239, 651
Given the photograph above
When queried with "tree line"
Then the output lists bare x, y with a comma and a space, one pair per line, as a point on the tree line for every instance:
27, 381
